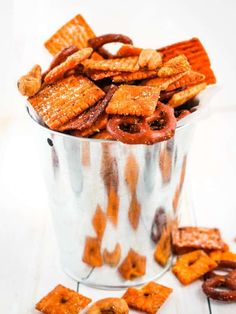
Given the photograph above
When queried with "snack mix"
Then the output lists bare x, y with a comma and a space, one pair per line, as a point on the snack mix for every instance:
135, 96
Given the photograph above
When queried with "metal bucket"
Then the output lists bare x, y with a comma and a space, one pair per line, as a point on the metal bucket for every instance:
103, 193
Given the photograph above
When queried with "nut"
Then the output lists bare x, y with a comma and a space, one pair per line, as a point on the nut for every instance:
30, 83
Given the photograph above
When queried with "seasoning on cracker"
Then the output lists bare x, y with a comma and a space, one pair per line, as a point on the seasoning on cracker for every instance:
191, 266
163, 82
92, 252
174, 66
148, 299
134, 76
188, 79
133, 266
75, 32
62, 300
187, 239
134, 100
59, 103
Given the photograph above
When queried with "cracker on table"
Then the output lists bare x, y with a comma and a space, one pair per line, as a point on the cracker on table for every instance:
180, 98
196, 54
134, 100
174, 66
148, 299
62, 300
133, 266
92, 252
129, 64
191, 266
223, 255
187, 239
62, 101
75, 32
133, 76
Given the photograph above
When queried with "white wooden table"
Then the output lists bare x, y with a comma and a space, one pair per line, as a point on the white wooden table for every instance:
29, 263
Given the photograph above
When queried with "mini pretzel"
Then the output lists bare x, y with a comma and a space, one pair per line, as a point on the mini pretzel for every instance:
99, 41
158, 127
211, 288
109, 306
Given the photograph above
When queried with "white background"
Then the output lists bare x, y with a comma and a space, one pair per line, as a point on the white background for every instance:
28, 254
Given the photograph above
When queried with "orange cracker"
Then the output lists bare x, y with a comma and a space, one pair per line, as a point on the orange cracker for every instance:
148, 299
133, 266
163, 82
99, 222
75, 32
113, 203
133, 76
187, 239
180, 98
128, 51
97, 75
62, 101
62, 300
134, 100
92, 252
112, 258
68, 64
174, 66
219, 255
189, 79
129, 64
196, 54
163, 249
191, 266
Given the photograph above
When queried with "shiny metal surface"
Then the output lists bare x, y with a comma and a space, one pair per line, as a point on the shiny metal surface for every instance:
129, 183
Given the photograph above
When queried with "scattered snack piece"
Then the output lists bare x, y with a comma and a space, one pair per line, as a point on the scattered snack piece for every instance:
97, 75
187, 239
109, 306
163, 249
196, 55
134, 76
149, 58
128, 51
60, 57
99, 41
191, 266
92, 252
218, 288
30, 83
61, 102
148, 299
174, 66
180, 98
99, 222
134, 100
129, 64
133, 266
188, 79
112, 258
75, 32
220, 255
163, 82
62, 300
70, 63
99, 125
